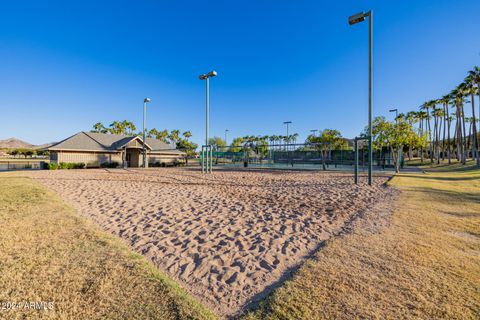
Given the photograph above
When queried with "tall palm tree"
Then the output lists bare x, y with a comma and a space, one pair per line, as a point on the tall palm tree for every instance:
422, 115
412, 118
469, 120
99, 128
475, 76
426, 106
295, 137
450, 119
470, 82
174, 136
272, 139
444, 101
437, 115
458, 94
117, 127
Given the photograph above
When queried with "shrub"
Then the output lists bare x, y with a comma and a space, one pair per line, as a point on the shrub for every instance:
155, 164
113, 164
51, 166
79, 165
68, 165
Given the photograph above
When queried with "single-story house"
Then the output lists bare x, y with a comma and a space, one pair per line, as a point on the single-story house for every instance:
95, 149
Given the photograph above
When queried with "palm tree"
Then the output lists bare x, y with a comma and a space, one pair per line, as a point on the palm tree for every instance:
99, 128
450, 119
458, 94
272, 139
117, 127
426, 107
295, 137
422, 115
411, 118
152, 133
470, 82
438, 115
174, 136
444, 101
163, 135
475, 77
469, 121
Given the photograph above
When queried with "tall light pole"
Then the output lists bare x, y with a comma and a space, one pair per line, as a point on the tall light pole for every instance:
314, 131
226, 130
356, 18
145, 101
396, 114
287, 123
206, 77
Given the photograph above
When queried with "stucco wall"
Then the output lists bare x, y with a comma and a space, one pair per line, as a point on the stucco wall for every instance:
92, 159
164, 158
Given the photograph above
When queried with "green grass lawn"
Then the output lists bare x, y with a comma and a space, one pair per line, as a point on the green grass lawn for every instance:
424, 263
49, 254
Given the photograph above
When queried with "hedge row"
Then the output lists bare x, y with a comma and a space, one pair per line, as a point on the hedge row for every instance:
65, 165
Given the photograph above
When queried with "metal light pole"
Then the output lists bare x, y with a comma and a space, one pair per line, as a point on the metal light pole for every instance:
396, 114
145, 101
314, 131
206, 77
359, 17
287, 123
226, 130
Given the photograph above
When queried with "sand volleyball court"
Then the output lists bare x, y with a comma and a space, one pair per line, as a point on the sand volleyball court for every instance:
229, 237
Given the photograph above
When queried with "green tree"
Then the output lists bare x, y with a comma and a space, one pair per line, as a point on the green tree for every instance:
187, 146
174, 136
474, 76
327, 140
236, 145
152, 133
116, 127
394, 136
99, 128
217, 143
128, 127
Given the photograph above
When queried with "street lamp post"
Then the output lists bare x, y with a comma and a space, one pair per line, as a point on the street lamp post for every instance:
145, 101
206, 77
396, 114
356, 18
314, 131
287, 123
226, 130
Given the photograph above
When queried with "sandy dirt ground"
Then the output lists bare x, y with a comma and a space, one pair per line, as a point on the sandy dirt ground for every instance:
229, 237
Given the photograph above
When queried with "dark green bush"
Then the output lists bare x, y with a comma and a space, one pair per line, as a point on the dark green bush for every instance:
79, 165
155, 164
68, 165
113, 164
51, 166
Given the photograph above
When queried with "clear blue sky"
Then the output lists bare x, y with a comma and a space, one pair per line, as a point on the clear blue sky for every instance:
66, 65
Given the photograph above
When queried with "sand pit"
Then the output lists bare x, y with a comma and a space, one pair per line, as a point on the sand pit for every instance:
226, 237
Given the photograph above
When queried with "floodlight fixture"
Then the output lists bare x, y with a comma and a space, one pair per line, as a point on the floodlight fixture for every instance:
359, 17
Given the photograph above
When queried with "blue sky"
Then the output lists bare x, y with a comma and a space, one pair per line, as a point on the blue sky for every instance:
66, 65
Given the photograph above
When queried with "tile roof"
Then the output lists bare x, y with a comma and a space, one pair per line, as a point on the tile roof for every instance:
92, 141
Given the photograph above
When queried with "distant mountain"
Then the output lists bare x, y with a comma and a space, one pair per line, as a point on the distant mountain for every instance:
43, 146
14, 143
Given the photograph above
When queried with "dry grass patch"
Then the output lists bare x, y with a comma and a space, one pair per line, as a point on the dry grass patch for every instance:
422, 262
48, 253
